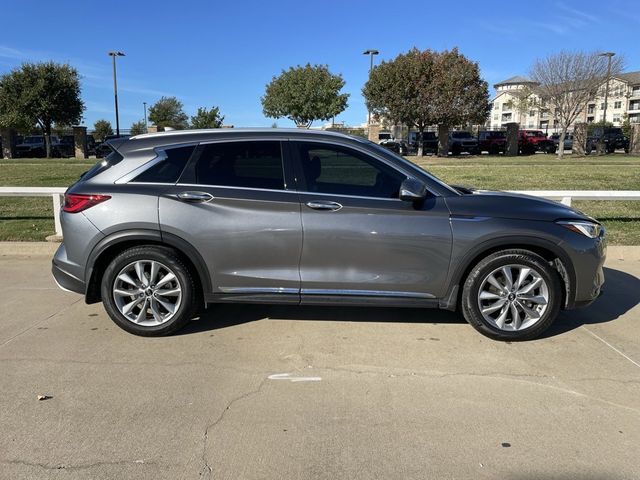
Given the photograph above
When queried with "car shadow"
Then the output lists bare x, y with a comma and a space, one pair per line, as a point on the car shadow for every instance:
221, 316
621, 294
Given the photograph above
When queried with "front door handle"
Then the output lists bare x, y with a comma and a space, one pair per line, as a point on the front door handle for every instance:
324, 205
195, 197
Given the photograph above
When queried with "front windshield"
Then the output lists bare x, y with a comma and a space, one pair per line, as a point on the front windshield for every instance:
461, 135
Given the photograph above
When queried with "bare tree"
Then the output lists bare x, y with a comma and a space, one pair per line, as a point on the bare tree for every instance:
567, 81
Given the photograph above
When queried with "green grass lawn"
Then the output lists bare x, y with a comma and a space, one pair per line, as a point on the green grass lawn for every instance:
31, 219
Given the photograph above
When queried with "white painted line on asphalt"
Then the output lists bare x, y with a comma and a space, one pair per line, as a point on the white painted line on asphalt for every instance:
287, 376
612, 347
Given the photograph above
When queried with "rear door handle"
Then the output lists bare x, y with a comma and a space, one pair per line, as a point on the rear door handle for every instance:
195, 197
324, 205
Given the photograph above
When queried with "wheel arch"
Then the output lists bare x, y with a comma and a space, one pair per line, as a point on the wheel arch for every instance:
117, 242
546, 249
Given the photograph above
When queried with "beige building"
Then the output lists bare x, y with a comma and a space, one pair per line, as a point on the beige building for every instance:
624, 98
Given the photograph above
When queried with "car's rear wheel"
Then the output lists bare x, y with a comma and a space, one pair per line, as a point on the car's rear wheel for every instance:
512, 295
149, 291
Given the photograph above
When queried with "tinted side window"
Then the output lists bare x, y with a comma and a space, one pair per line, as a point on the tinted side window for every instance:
169, 169
251, 164
339, 170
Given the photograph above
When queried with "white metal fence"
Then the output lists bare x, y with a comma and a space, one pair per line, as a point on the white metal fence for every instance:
565, 196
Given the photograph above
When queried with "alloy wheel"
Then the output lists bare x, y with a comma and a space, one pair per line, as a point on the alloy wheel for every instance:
513, 297
147, 293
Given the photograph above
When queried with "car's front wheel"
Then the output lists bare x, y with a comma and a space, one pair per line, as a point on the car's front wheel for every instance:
512, 295
149, 291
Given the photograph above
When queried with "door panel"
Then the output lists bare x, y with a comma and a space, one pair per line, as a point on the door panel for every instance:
250, 237
375, 245
367, 241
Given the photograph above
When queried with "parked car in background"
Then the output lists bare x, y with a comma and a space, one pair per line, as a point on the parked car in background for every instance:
532, 141
33, 146
462, 141
492, 141
429, 142
613, 139
398, 146
212, 216
568, 140
67, 146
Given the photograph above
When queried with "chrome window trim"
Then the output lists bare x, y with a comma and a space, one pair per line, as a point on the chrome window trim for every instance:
204, 185
259, 290
364, 293
160, 156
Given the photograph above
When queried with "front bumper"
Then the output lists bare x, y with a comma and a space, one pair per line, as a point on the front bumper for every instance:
588, 257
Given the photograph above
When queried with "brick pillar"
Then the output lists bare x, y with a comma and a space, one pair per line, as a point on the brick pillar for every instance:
152, 129
511, 148
8, 143
579, 139
374, 131
80, 142
634, 141
443, 140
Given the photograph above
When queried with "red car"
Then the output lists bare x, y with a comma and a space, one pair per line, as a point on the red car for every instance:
532, 141
492, 141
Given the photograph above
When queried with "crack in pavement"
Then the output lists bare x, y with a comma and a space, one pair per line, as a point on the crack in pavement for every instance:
86, 466
39, 322
207, 470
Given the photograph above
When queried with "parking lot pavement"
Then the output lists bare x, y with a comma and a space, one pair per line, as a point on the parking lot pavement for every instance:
253, 392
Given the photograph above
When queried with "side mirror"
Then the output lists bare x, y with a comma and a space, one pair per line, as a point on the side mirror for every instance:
412, 190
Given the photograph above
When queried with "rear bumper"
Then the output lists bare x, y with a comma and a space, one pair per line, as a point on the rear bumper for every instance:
61, 269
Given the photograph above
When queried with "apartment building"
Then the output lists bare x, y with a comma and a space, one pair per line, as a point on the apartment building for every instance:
624, 98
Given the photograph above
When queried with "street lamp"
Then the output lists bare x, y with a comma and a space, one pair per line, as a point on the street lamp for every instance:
146, 126
371, 53
113, 55
606, 87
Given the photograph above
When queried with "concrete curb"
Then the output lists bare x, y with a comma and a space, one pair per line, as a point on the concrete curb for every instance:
614, 252
28, 248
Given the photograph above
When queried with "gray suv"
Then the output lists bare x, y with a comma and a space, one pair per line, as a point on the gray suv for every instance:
170, 222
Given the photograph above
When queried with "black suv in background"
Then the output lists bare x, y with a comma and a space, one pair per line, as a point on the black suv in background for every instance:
612, 137
463, 142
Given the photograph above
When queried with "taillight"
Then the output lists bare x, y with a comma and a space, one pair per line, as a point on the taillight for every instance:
75, 202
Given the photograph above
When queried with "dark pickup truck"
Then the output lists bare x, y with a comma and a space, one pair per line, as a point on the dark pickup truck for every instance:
612, 137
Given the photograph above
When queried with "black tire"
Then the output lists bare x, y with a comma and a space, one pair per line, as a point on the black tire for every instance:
190, 300
456, 150
494, 150
470, 292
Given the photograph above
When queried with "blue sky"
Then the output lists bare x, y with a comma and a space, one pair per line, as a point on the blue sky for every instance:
224, 53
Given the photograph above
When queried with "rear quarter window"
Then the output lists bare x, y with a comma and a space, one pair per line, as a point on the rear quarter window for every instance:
168, 169
104, 164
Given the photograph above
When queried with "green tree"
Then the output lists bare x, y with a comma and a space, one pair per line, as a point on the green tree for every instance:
423, 88
207, 118
168, 112
461, 95
42, 94
102, 128
138, 128
305, 94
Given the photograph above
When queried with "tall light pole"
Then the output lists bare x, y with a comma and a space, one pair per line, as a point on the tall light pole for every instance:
113, 55
606, 87
146, 126
371, 53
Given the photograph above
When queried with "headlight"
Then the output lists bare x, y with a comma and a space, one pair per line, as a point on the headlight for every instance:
584, 227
